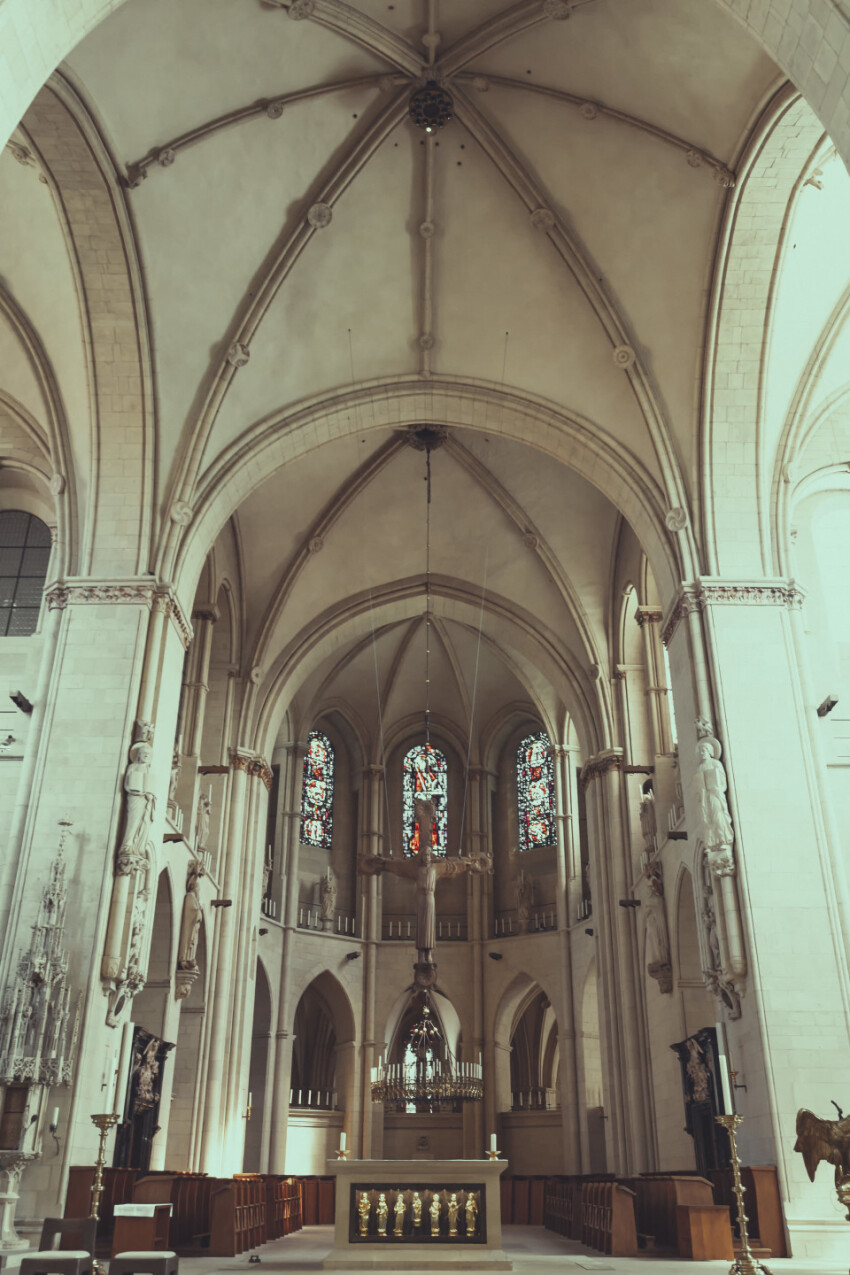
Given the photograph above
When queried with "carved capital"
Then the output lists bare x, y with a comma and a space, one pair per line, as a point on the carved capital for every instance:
252, 765
702, 594
601, 764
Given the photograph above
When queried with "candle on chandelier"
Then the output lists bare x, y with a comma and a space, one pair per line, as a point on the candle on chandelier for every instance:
54, 1123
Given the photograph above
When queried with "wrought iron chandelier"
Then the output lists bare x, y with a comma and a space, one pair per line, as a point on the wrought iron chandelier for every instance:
429, 1072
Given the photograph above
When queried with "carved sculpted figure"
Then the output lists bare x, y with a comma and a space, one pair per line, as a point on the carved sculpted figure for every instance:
399, 1213
417, 1211
453, 1208
327, 896
364, 1208
714, 826
148, 1072
827, 1140
524, 899
658, 963
697, 1071
139, 809
435, 1205
202, 824
382, 1212
426, 871
471, 1215
191, 922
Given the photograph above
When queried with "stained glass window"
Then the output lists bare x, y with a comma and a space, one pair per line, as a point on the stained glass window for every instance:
24, 558
535, 782
426, 775
317, 792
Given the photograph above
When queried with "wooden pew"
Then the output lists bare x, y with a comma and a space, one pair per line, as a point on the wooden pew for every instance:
762, 1205
117, 1189
608, 1218
658, 1196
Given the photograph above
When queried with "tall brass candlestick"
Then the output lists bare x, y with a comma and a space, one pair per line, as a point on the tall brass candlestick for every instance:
104, 1123
745, 1264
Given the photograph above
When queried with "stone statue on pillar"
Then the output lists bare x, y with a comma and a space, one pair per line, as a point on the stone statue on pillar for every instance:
190, 926
327, 899
658, 963
714, 826
524, 886
121, 967
425, 870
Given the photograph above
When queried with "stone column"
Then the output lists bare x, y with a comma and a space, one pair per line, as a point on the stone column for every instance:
624, 1052
477, 842
372, 838
104, 643
570, 1112
289, 855
789, 1033
245, 956
203, 619
224, 991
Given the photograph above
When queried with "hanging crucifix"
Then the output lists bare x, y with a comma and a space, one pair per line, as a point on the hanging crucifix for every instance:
426, 871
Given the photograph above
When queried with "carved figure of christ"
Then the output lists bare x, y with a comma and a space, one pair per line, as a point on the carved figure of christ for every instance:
426, 871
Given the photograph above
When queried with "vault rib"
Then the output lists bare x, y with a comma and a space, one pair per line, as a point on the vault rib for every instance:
358, 28
590, 108
271, 108
539, 205
327, 190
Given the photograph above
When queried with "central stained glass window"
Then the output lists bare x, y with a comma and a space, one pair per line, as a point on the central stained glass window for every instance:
317, 792
535, 782
426, 776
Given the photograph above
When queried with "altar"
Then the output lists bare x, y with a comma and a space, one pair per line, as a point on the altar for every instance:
437, 1215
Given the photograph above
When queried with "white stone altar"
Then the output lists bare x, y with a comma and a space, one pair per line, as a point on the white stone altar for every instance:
416, 1248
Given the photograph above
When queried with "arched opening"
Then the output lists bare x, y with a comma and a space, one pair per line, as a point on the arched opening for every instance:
142, 1144
594, 1099
187, 1062
258, 1073
423, 1129
322, 1069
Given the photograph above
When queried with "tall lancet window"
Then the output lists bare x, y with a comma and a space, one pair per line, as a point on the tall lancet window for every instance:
535, 783
317, 792
426, 775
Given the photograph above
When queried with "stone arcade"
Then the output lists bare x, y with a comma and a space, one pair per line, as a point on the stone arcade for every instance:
602, 260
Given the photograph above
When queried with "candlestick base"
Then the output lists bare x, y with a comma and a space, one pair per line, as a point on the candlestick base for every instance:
494, 1155
744, 1263
104, 1123
343, 1155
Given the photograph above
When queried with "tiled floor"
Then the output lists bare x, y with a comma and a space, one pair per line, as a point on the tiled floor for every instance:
532, 1250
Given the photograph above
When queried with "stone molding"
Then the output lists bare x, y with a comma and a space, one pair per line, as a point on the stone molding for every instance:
252, 765
699, 596
601, 764
61, 595
145, 593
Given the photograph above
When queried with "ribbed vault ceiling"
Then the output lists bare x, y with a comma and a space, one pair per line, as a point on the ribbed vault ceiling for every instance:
298, 234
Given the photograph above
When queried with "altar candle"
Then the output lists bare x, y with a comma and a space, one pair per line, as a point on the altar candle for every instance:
125, 1059
723, 1067
342, 1140
250, 1097
492, 1142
